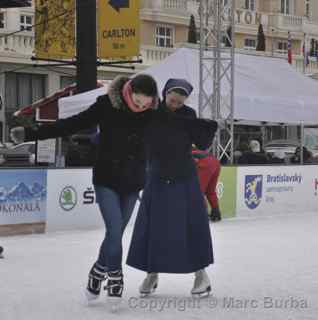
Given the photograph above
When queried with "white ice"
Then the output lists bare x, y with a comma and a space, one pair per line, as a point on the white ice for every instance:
265, 268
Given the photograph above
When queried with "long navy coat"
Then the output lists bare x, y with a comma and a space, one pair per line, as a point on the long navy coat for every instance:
172, 233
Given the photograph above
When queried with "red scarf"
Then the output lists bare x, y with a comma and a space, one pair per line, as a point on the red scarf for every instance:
127, 94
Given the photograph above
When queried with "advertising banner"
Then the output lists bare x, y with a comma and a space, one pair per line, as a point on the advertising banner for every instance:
281, 189
226, 191
71, 200
55, 29
22, 196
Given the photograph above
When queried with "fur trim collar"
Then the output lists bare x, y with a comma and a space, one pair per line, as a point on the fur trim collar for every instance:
115, 93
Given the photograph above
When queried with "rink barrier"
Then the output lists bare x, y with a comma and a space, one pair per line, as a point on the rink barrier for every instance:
64, 199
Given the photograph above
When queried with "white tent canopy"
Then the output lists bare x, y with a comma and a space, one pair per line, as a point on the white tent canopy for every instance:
71, 105
266, 89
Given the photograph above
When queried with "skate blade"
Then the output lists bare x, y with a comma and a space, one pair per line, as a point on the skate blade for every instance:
114, 303
202, 294
90, 297
146, 294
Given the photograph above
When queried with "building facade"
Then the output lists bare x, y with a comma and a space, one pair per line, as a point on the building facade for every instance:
165, 24
164, 27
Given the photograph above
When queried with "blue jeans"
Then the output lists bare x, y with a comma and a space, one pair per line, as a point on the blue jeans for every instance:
116, 210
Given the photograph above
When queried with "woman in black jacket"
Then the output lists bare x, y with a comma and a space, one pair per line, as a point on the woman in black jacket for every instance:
119, 171
171, 233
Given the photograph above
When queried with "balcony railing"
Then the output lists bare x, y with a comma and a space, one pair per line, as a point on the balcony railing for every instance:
22, 44
166, 5
152, 55
286, 22
175, 4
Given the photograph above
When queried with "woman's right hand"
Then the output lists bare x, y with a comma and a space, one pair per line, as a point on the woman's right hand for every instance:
17, 135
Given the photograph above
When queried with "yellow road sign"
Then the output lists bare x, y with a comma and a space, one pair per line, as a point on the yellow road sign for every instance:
118, 29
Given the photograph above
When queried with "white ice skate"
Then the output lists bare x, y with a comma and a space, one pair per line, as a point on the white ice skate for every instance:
149, 285
90, 297
202, 285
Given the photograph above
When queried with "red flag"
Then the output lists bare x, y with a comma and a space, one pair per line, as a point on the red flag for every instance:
289, 49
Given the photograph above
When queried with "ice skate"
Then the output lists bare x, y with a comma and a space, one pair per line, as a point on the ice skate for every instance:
96, 277
149, 285
202, 285
114, 288
1, 253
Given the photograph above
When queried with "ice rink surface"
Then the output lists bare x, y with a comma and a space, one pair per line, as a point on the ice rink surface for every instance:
266, 268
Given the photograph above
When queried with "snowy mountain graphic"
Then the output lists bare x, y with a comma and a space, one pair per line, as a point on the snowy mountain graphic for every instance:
38, 190
22, 192
3, 194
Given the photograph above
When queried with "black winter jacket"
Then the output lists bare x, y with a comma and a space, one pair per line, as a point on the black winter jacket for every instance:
120, 163
169, 138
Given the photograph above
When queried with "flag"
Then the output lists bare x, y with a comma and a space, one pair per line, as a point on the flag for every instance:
305, 54
289, 49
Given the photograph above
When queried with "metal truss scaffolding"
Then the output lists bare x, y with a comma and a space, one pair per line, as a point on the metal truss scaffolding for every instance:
216, 95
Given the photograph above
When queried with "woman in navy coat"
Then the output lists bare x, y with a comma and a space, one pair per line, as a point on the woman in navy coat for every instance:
172, 233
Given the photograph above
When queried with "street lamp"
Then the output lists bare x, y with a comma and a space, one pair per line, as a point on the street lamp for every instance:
273, 30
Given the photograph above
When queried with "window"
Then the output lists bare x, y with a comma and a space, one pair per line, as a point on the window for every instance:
28, 147
286, 6
164, 36
66, 81
22, 89
26, 23
313, 48
282, 46
2, 20
250, 5
205, 32
250, 44
307, 8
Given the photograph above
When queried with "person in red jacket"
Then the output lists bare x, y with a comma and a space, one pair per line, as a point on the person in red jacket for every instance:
208, 168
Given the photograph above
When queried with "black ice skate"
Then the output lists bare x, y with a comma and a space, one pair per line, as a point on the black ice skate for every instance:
115, 284
1, 253
95, 278
115, 288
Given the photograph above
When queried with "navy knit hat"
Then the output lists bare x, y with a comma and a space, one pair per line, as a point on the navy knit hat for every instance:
177, 84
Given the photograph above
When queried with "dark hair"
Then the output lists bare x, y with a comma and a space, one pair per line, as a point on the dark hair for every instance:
179, 91
144, 84
306, 153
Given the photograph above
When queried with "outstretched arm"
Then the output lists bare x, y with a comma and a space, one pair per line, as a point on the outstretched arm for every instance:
63, 127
